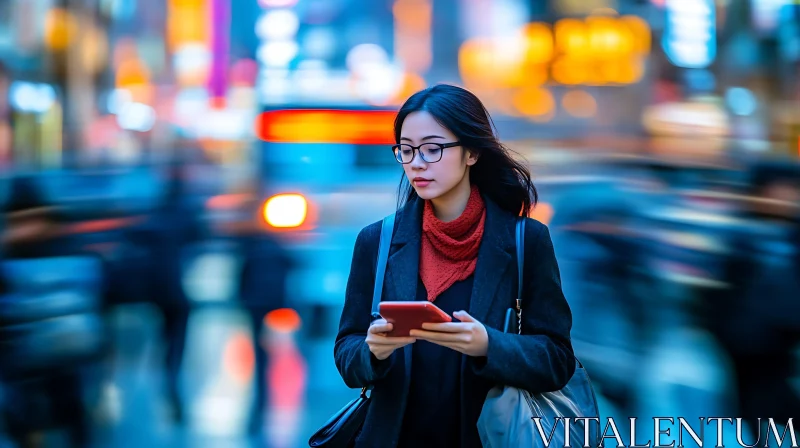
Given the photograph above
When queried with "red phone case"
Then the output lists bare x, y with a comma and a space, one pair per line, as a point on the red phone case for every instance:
406, 316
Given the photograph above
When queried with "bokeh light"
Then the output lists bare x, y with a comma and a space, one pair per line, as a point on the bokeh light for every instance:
579, 103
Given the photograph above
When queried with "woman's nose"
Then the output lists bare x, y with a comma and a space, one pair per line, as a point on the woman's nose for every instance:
418, 163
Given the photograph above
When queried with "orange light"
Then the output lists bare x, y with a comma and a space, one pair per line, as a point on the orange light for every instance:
567, 70
489, 63
607, 37
543, 212
413, 39
132, 72
572, 37
283, 320
579, 104
60, 29
474, 56
226, 201
623, 71
187, 22
642, 35
327, 126
238, 357
539, 43
534, 101
102, 225
286, 210
412, 83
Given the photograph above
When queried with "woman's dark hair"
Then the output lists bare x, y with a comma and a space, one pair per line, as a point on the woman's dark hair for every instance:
498, 176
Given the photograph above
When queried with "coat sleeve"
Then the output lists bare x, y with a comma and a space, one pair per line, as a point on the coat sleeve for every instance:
541, 359
357, 365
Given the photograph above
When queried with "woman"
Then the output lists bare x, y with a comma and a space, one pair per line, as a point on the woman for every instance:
453, 244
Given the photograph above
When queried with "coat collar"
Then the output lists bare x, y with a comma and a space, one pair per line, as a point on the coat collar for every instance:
495, 255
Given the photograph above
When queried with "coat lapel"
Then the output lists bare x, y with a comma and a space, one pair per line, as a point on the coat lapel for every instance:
402, 270
402, 276
495, 256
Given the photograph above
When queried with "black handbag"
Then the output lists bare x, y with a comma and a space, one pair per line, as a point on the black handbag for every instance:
341, 430
507, 417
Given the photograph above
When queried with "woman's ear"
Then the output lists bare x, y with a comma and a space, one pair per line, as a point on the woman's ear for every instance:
472, 157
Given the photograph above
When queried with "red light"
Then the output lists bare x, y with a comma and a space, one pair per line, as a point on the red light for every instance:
226, 201
284, 320
327, 126
217, 102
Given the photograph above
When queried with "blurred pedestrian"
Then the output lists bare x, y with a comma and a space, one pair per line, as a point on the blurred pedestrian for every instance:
40, 393
758, 319
174, 226
262, 286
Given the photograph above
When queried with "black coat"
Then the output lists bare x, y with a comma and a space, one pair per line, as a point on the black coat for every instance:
540, 360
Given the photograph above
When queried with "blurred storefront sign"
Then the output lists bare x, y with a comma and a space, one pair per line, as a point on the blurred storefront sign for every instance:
188, 36
326, 126
187, 23
524, 72
277, 30
687, 131
598, 50
686, 119
689, 38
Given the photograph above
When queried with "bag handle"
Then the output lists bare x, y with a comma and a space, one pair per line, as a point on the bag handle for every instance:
383, 255
520, 237
380, 270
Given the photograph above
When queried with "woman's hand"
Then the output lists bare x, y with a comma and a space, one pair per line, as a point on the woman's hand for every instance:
468, 336
381, 345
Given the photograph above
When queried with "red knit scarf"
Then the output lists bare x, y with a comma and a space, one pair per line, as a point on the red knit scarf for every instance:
449, 250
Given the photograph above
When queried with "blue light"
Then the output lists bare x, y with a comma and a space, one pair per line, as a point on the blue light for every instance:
690, 33
700, 80
741, 101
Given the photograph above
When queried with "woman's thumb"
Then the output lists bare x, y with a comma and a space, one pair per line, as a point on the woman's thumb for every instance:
463, 316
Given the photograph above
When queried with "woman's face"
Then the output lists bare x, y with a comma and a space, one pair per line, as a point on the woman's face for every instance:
432, 180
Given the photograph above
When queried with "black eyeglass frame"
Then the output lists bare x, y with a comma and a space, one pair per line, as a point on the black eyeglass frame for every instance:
442, 147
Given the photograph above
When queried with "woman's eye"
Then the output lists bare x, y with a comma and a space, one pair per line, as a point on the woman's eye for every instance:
406, 152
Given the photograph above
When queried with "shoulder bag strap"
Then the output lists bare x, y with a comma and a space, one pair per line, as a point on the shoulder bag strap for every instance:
380, 270
383, 255
520, 268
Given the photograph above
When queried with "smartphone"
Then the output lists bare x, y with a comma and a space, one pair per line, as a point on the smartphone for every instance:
407, 316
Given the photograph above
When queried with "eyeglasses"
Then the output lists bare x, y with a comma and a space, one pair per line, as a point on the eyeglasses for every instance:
430, 152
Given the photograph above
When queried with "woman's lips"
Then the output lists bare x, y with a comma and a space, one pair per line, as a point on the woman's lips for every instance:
421, 183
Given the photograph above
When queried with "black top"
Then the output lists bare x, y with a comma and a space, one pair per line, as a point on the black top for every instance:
433, 410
